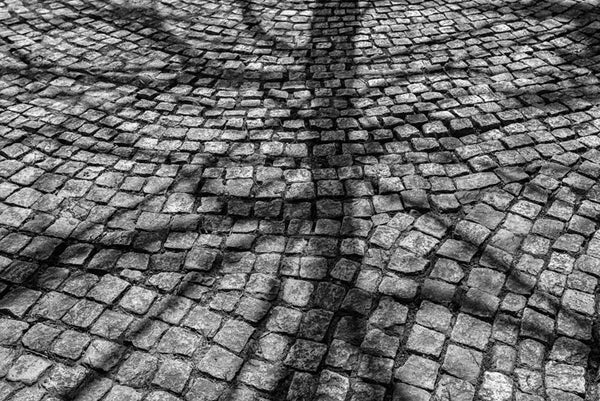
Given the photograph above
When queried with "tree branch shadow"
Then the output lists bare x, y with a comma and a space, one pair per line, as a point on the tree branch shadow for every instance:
315, 71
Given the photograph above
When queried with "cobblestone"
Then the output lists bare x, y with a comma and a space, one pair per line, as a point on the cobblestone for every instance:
302, 201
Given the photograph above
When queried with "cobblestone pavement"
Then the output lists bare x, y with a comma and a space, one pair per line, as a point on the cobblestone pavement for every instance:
288, 200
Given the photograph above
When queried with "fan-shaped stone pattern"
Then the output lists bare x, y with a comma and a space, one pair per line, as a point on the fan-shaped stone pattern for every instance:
355, 200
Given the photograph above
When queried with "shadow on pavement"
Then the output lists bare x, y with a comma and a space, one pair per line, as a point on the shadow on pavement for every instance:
333, 81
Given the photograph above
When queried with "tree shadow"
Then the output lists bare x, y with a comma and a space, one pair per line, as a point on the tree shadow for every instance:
330, 69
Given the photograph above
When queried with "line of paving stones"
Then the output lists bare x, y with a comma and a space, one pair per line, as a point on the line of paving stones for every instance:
333, 201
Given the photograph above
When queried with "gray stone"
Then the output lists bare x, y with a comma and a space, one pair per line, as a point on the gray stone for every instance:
375, 368
565, 377
28, 369
332, 387
464, 363
262, 375
404, 392
425, 341
234, 335
407, 262
471, 331
172, 374
453, 389
495, 387
220, 363
137, 370
418, 371
306, 355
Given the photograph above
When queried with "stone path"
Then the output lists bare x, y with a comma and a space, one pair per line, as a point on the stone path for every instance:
288, 200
